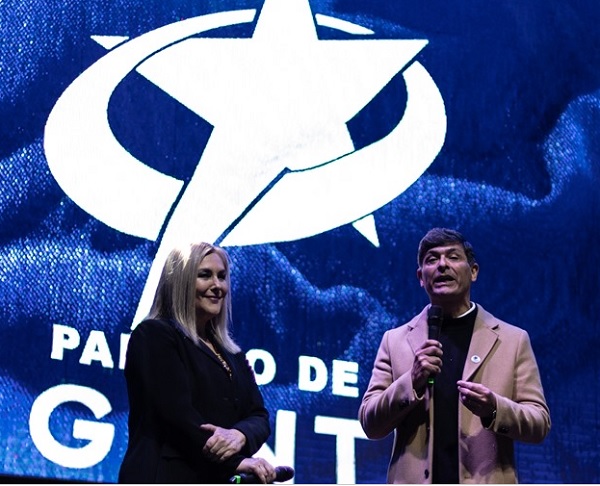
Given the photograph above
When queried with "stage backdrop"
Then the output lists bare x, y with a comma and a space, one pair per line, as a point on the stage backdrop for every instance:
317, 141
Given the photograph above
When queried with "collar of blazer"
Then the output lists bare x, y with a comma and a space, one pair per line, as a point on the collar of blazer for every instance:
484, 337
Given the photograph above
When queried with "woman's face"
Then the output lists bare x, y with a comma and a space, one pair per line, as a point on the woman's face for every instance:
211, 287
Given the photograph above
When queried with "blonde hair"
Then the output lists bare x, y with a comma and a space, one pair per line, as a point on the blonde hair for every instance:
176, 291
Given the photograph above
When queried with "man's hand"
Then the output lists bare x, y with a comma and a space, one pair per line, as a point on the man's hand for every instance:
223, 443
428, 361
477, 398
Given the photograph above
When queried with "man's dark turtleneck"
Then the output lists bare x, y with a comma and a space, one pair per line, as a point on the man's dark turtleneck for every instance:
455, 337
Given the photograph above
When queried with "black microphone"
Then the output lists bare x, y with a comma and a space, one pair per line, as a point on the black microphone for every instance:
434, 325
282, 474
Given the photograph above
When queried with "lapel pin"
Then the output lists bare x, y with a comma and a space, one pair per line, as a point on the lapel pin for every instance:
476, 359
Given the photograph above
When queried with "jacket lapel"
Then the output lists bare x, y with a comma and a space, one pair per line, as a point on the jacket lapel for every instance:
482, 343
418, 331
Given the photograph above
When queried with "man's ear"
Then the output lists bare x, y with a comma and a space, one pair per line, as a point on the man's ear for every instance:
419, 275
474, 272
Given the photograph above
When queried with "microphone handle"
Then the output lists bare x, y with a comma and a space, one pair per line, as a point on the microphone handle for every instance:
282, 474
243, 478
434, 333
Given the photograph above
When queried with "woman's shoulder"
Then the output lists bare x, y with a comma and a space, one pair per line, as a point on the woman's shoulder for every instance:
154, 323
154, 327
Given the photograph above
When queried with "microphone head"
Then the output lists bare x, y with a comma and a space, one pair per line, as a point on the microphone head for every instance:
284, 473
434, 321
435, 312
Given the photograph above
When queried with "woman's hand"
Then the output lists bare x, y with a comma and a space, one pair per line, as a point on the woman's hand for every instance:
223, 443
259, 467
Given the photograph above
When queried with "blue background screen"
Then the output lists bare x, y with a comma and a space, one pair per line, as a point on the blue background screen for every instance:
516, 170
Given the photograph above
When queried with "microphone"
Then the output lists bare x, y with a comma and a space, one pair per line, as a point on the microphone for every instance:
282, 474
434, 325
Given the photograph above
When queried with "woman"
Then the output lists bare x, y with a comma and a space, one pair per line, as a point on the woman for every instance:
196, 414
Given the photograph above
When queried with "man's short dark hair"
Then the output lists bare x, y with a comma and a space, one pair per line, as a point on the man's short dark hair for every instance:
443, 236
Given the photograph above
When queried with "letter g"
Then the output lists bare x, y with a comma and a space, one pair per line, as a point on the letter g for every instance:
99, 434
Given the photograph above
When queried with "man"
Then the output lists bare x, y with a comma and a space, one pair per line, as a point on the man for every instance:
456, 403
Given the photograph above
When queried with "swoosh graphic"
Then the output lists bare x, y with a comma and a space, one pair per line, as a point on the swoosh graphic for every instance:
86, 160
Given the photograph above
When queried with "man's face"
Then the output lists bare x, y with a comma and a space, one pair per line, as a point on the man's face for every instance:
446, 275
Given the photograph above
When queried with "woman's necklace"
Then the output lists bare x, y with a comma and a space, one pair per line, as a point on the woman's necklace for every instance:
213, 348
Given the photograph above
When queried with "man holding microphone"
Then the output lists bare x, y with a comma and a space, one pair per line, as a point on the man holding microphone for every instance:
455, 384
